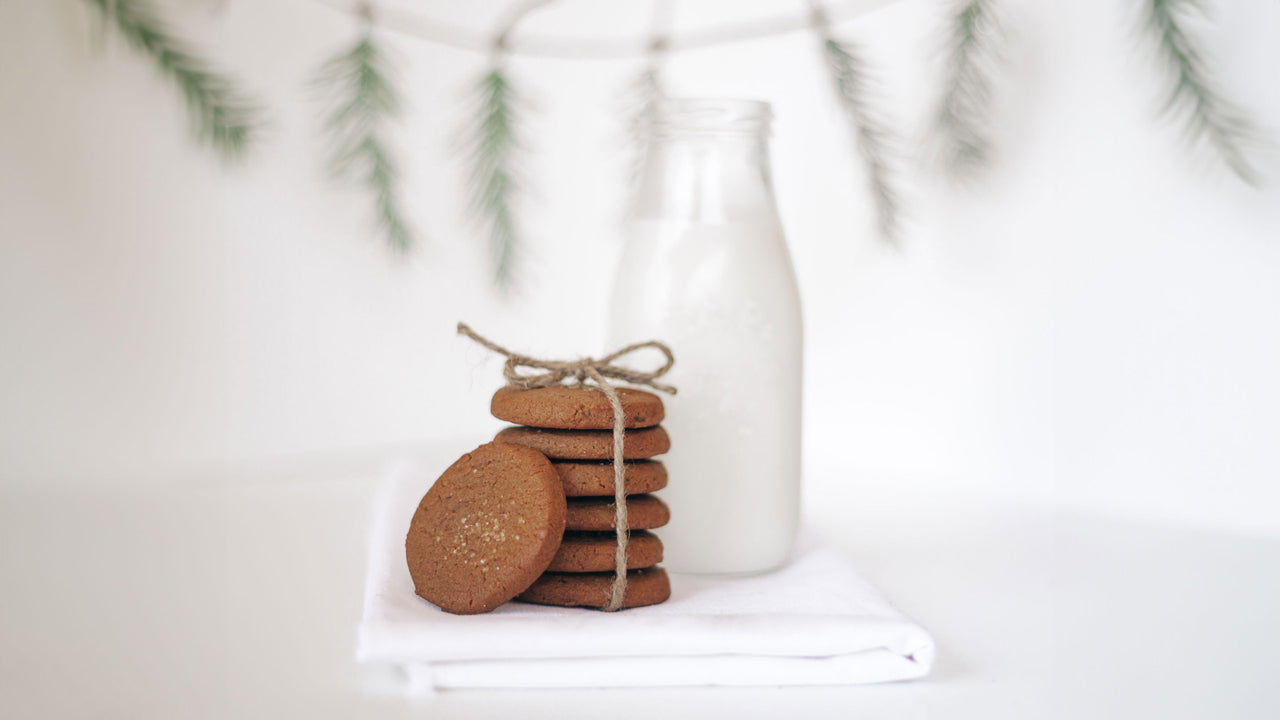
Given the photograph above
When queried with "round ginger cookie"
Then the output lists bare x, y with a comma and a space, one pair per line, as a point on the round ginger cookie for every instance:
575, 408
486, 529
649, 586
593, 552
644, 512
592, 479
588, 444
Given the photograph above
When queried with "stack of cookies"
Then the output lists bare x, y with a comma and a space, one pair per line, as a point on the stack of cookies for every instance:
572, 427
531, 516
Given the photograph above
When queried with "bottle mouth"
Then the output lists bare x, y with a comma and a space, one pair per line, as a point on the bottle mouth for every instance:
710, 116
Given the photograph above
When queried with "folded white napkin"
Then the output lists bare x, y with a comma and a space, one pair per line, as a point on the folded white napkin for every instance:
814, 622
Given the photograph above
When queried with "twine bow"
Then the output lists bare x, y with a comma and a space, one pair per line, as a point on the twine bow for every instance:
594, 374
557, 371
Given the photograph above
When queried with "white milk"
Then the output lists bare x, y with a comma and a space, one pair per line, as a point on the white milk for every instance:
723, 296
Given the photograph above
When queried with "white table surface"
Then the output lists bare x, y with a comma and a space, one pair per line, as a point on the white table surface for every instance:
236, 595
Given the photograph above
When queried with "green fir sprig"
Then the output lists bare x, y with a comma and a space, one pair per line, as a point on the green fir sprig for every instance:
851, 85
361, 77
492, 147
221, 116
1206, 115
972, 51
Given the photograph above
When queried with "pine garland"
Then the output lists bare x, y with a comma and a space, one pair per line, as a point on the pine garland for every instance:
221, 116
360, 76
1206, 115
964, 105
492, 150
225, 120
850, 79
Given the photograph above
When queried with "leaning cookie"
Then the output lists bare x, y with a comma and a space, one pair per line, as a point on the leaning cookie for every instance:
588, 444
575, 408
486, 529
644, 587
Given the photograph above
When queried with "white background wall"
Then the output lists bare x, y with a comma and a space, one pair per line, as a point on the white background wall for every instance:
1094, 323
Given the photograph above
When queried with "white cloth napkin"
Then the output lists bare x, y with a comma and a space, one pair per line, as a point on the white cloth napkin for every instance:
814, 622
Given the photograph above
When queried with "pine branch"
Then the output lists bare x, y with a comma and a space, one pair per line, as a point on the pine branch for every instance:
849, 76
1206, 115
642, 98
360, 77
962, 111
492, 151
220, 115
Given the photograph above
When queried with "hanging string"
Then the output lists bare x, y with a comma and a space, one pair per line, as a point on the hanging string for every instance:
412, 22
517, 13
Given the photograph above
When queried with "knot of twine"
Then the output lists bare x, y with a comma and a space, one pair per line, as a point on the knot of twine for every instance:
595, 374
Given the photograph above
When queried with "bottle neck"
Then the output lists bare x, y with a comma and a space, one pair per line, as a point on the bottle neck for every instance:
705, 180
707, 162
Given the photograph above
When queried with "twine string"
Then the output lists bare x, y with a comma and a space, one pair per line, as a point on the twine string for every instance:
594, 374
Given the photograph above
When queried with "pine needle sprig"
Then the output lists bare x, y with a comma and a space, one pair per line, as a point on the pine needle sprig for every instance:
1207, 116
641, 105
221, 116
493, 145
960, 121
360, 76
851, 84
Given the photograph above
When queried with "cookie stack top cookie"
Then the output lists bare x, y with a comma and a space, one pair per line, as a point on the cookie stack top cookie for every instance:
575, 408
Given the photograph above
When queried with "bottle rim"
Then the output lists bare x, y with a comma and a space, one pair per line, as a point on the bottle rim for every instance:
711, 116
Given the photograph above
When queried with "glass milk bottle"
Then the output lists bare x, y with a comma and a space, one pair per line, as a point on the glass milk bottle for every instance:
705, 269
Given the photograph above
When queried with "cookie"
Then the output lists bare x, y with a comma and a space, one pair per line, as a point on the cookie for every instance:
486, 529
574, 408
644, 512
649, 586
593, 552
585, 479
588, 444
